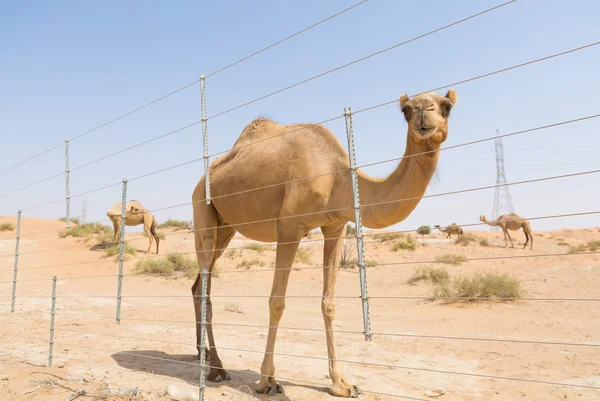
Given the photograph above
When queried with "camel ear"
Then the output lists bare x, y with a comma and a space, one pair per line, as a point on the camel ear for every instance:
403, 100
451, 95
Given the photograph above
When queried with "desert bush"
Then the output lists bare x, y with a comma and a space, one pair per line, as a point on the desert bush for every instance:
347, 258
577, 248
484, 241
248, 263
176, 224
465, 239
405, 244
429, 274
173, 263
303, 255
480, 285
254, 246
85, 230
387, 237
423, 231
232, 253
114, 249
350, 229
73, 220
7, 227
161, 236
593, 245
562, 243
451, 259
371, 262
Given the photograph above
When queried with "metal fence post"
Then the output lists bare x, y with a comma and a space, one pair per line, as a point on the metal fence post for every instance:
121, 251
52, 313
203, 331
68, 188
14, 287
359, 239
205, 138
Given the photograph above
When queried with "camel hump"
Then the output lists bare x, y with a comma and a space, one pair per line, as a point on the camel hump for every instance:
258, 129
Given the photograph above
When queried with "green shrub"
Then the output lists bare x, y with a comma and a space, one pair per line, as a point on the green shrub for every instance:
114, 249
423, 231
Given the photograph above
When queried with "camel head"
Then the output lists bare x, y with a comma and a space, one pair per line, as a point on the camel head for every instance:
135, 210
482, 218
427, 116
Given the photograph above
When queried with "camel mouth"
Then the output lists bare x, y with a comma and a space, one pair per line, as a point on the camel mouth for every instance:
426, 132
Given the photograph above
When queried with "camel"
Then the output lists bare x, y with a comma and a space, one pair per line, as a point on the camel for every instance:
512, 222
288, 206
135, 214
451, 229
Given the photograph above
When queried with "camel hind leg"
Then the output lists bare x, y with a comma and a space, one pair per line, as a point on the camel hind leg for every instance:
210, 242
510, 238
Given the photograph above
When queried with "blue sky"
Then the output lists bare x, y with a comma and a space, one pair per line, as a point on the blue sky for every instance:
70, 66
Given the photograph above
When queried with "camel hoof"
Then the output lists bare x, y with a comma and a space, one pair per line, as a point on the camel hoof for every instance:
346, 392
272, 387
218, 375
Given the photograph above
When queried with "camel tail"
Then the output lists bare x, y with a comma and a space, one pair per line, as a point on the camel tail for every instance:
153, 231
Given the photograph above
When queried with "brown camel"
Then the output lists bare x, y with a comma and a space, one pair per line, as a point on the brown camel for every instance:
289, 206
451, 229
512, 222
135, 214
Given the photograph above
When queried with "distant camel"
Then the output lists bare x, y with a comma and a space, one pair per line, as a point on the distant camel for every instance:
512, 222
135, 214
451, 229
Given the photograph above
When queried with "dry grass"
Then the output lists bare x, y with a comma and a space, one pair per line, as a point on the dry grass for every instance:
248, 263
85, 230
234, 307
593, 245
114, 250
7, 227
371, 262
484, 242
254, 246
387, 237
451, 259
161, 236
562, 243
429, 274
405, 244
171, 265
175, 224
303, 255
232, 253
73, 220
465, 239
578, 248
490, 286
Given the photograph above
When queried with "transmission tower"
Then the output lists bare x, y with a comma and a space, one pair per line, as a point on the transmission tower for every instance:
84, 210
502, 200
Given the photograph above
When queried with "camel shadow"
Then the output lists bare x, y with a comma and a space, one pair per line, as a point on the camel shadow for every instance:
185, 367
102, 246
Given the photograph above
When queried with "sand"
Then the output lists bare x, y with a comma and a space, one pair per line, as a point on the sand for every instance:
153, 347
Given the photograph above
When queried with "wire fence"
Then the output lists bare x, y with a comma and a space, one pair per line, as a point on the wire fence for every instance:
61, 307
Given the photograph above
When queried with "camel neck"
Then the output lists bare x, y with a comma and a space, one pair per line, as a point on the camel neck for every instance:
390, 200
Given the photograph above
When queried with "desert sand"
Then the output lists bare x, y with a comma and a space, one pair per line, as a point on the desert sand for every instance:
153, 347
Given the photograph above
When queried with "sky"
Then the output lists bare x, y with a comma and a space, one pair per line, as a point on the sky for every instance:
67, 67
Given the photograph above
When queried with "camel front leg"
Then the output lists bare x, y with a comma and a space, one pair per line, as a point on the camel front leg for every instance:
510, 238
505, 239
286, 251
334, 240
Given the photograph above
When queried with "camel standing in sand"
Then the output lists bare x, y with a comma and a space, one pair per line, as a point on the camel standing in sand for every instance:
512, 222
135, 214
451, 229
279, 169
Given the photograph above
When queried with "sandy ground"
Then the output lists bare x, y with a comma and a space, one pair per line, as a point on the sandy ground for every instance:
153, 347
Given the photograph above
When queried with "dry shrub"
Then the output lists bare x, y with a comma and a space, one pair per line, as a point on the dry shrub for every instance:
593, 245
254, 246
171, 265
405, 244
387, 237
465, 239
578, 248
248, 263
484, 242
85, 230
451, 259
114, 250
175, 224
490, 286
303, 255
429, 274
7, 227
73, 220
